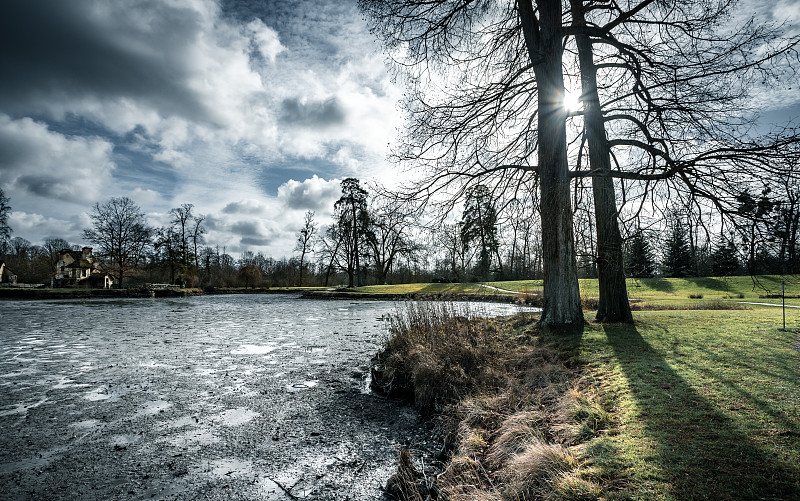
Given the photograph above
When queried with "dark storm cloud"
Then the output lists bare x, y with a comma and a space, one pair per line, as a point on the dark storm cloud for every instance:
312, 114
54, 50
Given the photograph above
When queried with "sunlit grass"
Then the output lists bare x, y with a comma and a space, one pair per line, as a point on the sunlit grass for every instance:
706, 403
656, 292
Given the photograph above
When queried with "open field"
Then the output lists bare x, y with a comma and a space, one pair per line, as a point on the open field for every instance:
667, 291
683, 405
706, 404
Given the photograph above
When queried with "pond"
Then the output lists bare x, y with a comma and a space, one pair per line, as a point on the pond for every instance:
212, 397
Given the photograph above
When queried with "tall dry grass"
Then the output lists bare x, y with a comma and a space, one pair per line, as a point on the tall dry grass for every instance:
437, 353
509, 404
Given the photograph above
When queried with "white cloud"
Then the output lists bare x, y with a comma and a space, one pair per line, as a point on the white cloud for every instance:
312, 194
37, 162
25, 223
266, 39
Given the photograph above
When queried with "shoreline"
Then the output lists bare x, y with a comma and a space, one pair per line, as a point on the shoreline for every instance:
324, 294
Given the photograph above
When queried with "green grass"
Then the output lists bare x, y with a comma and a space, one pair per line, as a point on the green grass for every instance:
675, 292
706, 404
427, 288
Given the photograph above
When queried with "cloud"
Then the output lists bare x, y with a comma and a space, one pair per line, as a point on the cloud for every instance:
36, 161
312, 194
25, 222
265, 39
312, 114
251, 207
219, 103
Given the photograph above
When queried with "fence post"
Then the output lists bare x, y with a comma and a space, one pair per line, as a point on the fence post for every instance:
783, 302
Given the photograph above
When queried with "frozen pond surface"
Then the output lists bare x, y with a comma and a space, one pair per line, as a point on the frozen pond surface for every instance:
211, 397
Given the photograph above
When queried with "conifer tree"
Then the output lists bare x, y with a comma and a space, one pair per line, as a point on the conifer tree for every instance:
639, 258
725, 259
678, 259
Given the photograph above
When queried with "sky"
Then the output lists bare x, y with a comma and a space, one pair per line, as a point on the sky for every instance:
251, 110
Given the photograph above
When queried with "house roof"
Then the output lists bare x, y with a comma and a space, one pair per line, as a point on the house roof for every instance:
80, 263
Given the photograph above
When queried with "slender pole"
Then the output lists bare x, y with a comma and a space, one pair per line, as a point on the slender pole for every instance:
783, 302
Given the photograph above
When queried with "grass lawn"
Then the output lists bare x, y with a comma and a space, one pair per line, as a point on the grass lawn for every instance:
676, 292
706, 404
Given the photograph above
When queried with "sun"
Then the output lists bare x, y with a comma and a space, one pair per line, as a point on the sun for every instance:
572, 100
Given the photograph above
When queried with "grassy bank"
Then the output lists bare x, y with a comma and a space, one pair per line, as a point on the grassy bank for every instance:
682, 405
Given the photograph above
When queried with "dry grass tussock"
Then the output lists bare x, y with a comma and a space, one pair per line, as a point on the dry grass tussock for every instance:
510, 406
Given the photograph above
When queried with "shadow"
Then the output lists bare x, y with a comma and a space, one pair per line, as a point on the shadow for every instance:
716, 284
695, 450
658, 284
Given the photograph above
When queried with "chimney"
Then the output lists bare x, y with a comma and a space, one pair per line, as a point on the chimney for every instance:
87, 252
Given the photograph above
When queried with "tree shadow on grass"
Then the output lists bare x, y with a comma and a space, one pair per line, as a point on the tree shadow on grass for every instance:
659, 284
716, 284
699, 452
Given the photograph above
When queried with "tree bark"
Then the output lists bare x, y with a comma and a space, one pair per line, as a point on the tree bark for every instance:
543, 38
613, 305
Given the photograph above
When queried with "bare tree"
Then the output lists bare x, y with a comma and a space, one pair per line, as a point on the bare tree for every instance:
120, 231
390, 236
667, 88
52, 248
5, 229
305, 241
182, 220
198, 230
665, 92
486, 103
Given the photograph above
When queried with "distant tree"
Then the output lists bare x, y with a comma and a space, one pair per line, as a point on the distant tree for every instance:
249, 275
120, 231
305, 241
52, 248
678, 259
479, 227
786, 228
639, 258
754, 213
351, 222
5, 229
19, 247
197, 232
166, 246
725, 259
182, 222
457, 255
389, 236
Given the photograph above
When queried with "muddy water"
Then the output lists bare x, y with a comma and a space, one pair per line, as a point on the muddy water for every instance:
216, 397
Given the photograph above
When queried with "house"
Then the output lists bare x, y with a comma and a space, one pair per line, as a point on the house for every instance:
80, 269
7, 277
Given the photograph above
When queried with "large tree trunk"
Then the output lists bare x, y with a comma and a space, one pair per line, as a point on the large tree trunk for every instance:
613, 304
561, 302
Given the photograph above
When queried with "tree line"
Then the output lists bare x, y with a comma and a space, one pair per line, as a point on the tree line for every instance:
378, 239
